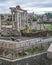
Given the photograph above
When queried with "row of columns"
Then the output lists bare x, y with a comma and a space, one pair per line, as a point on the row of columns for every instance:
17, 22
18, 19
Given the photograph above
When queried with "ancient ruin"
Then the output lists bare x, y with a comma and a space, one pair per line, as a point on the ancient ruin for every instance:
19, 17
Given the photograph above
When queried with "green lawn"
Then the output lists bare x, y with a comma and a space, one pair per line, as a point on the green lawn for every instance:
46, 26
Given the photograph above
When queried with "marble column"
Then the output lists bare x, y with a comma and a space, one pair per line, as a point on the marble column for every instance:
12, 20
27, 17
18, 21
0, 22
15, 20
24, 19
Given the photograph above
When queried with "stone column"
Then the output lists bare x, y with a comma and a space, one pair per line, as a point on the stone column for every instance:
24, 19
27, 18
12, 20
15, 17
18, 21
0, 22
15, 20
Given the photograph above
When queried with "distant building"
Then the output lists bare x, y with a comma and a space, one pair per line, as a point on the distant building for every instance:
44, 18
5, 18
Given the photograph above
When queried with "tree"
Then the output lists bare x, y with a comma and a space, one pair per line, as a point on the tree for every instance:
35, 18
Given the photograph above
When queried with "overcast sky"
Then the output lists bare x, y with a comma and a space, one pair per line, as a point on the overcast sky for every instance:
36, 6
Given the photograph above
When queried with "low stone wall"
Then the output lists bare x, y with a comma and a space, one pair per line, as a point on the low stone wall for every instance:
39, 59
37, 42
33, 43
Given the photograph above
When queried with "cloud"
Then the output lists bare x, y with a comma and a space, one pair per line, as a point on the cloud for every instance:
38, 10
38, 6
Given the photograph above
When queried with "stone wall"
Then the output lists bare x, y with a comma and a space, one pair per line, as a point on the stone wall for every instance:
39, 59
37, 42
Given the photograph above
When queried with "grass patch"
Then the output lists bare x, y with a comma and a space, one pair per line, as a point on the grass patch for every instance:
6, 35
7, 52
31, 51
46, 26
21, 54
